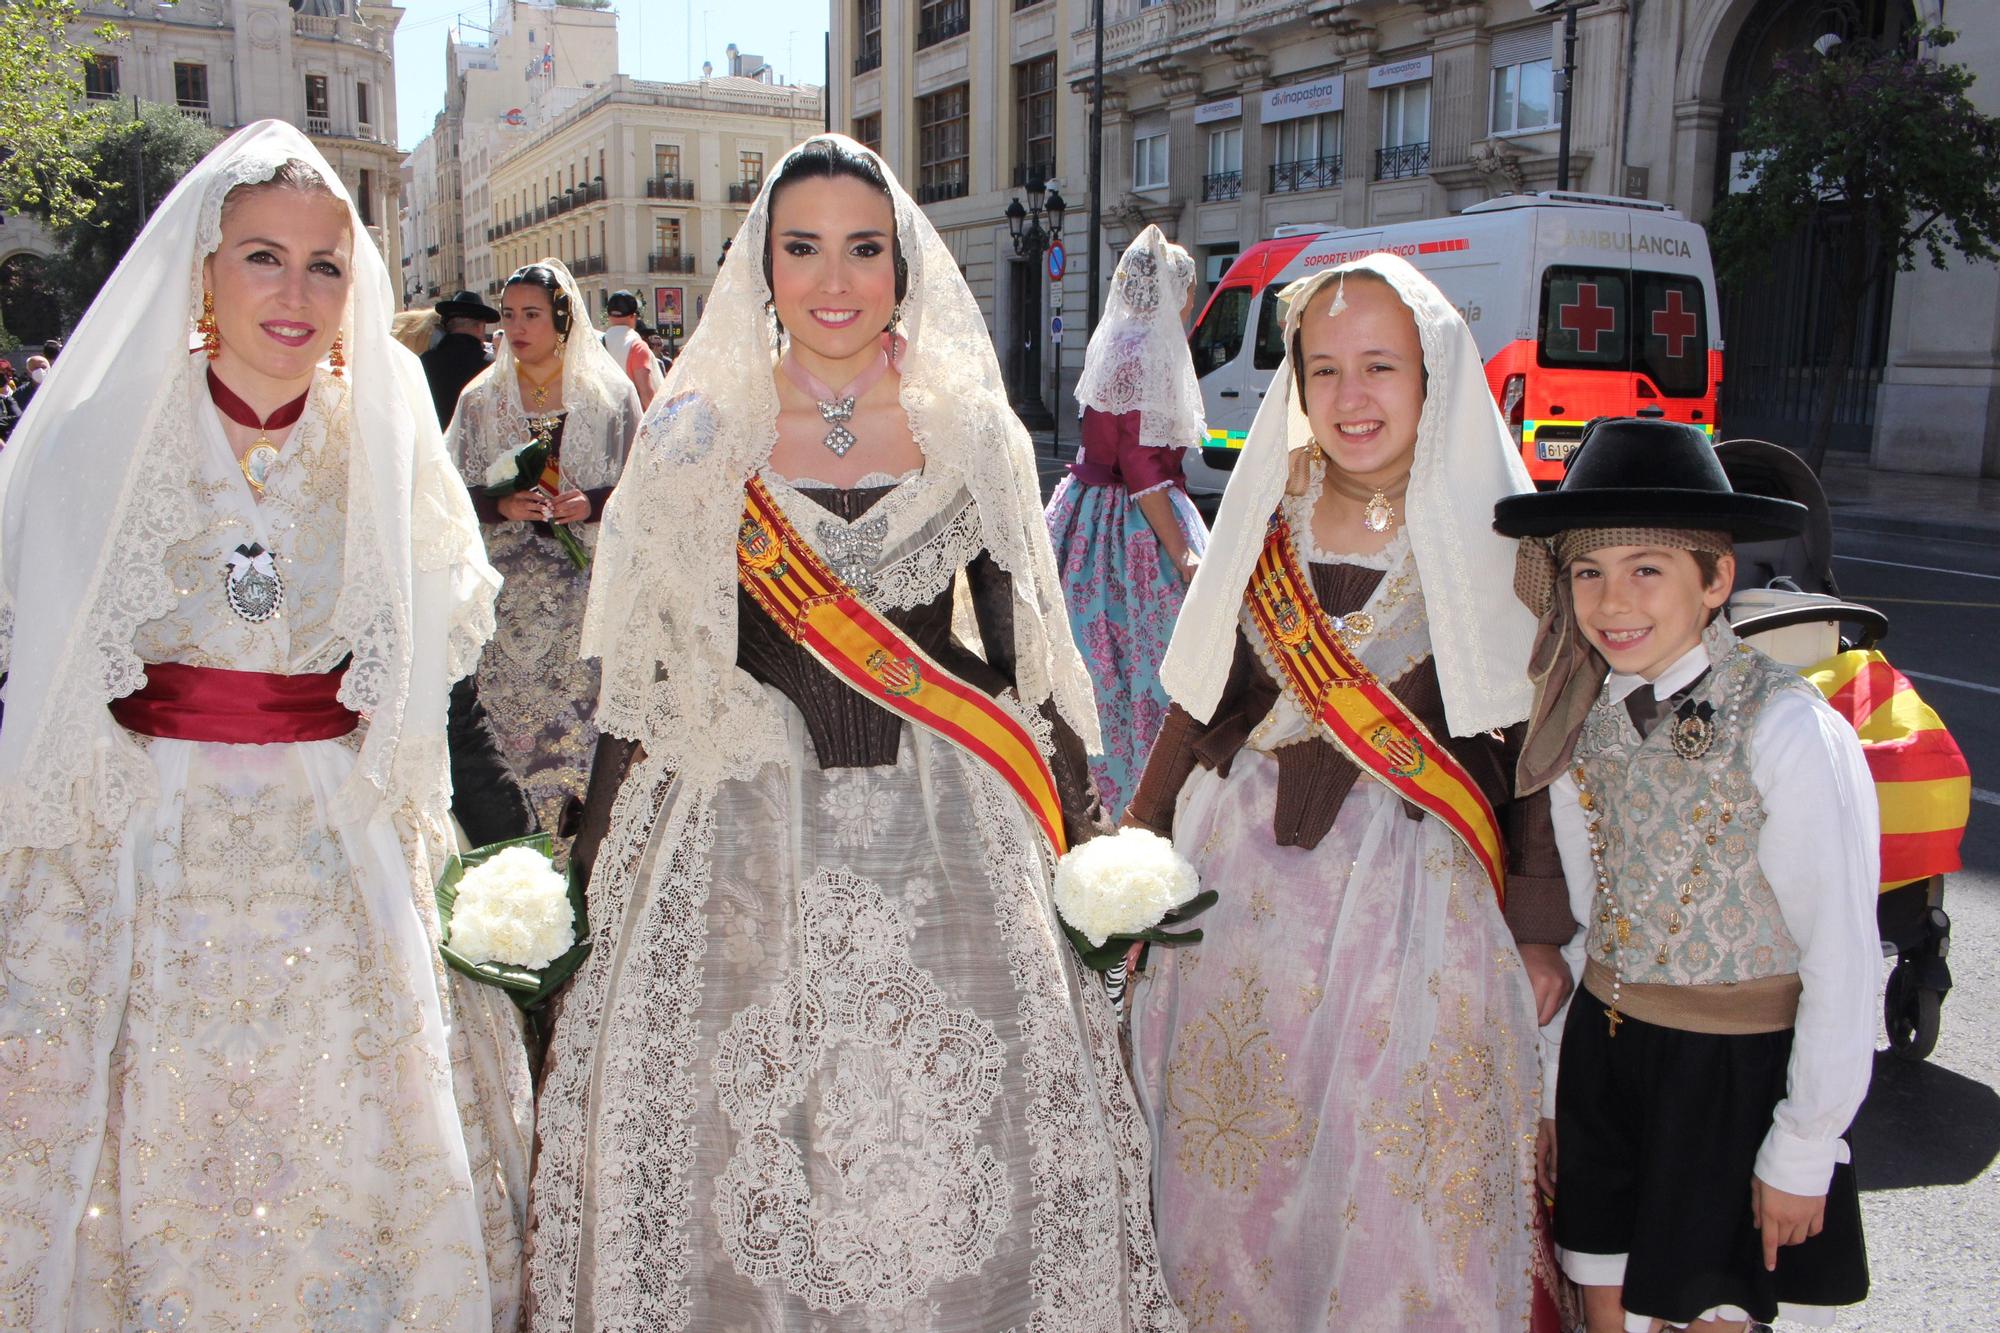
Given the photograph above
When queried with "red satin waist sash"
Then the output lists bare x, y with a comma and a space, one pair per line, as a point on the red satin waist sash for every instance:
191, 703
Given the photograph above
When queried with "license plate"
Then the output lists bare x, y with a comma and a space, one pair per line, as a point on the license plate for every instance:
1555, 451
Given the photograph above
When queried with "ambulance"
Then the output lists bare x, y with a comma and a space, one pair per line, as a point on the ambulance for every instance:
1583, 306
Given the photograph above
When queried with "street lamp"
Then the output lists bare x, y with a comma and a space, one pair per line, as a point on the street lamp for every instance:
1032, 241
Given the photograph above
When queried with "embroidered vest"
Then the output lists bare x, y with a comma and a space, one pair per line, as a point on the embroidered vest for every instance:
1680, 835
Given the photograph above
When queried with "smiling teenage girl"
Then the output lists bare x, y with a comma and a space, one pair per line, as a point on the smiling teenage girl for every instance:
1340, 1077
831, 1065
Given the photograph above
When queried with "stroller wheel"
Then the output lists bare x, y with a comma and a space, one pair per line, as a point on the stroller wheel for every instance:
1911, 1013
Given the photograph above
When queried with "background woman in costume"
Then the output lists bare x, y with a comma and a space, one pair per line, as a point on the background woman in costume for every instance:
551, 379
1126, 535
1341, 1077
830, 1065
241, 1092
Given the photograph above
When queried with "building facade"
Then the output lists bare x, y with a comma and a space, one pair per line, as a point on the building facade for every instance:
1225, 119
639, 184
326, 66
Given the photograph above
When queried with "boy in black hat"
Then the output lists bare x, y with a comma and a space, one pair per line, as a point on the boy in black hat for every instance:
1719, 832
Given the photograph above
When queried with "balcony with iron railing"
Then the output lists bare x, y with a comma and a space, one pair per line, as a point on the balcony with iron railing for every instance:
669, 261
943, 23
669, 187
590, 266
1311, 173
745, 192
1402, 161
1221, 185
870, 55
936, 191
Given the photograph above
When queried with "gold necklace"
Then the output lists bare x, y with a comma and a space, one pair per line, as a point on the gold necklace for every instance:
1379, 510
541, 390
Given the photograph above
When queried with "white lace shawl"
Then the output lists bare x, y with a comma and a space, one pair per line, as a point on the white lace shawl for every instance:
1466, 461
662, 613
602, 405
98, 483
1138, 360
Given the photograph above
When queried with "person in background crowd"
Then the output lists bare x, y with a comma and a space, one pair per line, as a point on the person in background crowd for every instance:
622, 339
24, 392
1341, 1075
241, 1089
10, 411
551, 381
461, 353
415, 329
1127, 537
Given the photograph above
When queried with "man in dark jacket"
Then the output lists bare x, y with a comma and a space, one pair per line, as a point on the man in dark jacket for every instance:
461, 353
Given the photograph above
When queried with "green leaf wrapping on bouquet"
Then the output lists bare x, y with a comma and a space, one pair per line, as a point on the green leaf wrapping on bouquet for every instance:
1103, 957
572, 545
529, 988
529, 461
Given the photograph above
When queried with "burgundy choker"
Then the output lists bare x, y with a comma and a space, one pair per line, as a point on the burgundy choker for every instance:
258, 459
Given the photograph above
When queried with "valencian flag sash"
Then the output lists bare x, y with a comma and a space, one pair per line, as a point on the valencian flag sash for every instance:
1921, 780
1369, 724
811, 604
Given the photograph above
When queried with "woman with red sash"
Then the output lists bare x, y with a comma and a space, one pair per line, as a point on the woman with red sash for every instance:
239, 575
1341, 1077
830, 1064
1127, 537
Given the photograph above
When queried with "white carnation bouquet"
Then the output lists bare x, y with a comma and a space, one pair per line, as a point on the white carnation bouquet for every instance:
1127, 887
512, 920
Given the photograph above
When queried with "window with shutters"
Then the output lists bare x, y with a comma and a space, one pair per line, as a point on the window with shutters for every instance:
1035, 120
941, 145
868, 131
100, 77
1523, 80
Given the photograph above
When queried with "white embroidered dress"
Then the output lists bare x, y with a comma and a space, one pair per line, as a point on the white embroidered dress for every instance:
237, 1091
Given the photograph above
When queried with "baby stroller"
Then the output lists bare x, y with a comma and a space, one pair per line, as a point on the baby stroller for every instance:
1787, 604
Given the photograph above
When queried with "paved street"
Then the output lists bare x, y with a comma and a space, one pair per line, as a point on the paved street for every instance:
1928, 1137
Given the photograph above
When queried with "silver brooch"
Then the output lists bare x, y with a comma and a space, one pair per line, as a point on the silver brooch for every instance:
836, 413
252, 584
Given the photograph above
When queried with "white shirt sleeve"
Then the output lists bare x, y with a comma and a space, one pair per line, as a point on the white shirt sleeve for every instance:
1573, 845
1820, 849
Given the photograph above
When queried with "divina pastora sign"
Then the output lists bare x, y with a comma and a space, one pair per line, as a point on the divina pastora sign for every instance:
1313, 98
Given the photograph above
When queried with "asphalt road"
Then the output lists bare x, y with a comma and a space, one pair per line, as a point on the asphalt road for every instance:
1927, 1139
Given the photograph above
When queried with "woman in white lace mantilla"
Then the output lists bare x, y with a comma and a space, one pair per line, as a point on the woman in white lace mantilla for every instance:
240, 1091
551, 380
830, 1064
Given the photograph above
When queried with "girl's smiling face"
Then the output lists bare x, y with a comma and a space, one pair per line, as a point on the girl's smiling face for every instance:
833, 271
1364, 380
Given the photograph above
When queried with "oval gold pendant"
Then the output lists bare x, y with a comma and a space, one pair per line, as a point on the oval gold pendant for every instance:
257, 465
1377, 516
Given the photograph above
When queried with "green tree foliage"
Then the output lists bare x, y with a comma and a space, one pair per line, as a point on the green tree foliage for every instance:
1877, 142
43, 173
135, 160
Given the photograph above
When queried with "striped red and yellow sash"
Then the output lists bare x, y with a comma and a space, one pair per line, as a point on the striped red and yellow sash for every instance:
811, 604
1369, 724
1922, 782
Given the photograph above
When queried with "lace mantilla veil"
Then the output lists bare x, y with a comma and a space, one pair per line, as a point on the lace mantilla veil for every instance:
1138, 360
98, 482
594, 389
662, 613
1465, 462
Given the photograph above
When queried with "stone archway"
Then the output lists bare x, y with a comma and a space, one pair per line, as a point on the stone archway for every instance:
30, 305
1780, 327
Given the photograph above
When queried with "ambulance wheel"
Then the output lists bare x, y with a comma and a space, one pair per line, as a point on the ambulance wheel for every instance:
1911, 1013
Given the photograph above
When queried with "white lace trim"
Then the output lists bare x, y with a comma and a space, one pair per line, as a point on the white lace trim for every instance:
1138, 358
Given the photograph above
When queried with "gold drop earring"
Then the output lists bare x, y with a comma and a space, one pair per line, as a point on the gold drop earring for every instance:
211, 335
336, 359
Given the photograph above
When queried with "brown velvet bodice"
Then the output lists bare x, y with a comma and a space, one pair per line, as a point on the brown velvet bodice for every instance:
1315, 777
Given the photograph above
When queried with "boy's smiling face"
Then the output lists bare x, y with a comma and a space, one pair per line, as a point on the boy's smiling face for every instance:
1644, 607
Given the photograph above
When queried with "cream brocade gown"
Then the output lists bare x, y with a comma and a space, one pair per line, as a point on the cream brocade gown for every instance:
280, 1107
831, 1065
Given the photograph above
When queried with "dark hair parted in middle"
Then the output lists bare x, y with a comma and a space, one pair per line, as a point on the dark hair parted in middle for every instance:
824, 159
544, 277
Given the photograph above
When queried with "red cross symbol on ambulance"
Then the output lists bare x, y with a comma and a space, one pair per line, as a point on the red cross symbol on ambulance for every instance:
1675, 324
1586, 318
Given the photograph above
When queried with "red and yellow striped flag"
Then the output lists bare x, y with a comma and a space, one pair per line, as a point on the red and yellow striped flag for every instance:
1921, 778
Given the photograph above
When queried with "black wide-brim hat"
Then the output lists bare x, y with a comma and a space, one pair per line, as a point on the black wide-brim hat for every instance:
1636, 472
467, 305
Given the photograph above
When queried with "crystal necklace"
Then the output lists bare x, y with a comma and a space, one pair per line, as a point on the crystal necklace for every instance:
262, 455
836, 408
